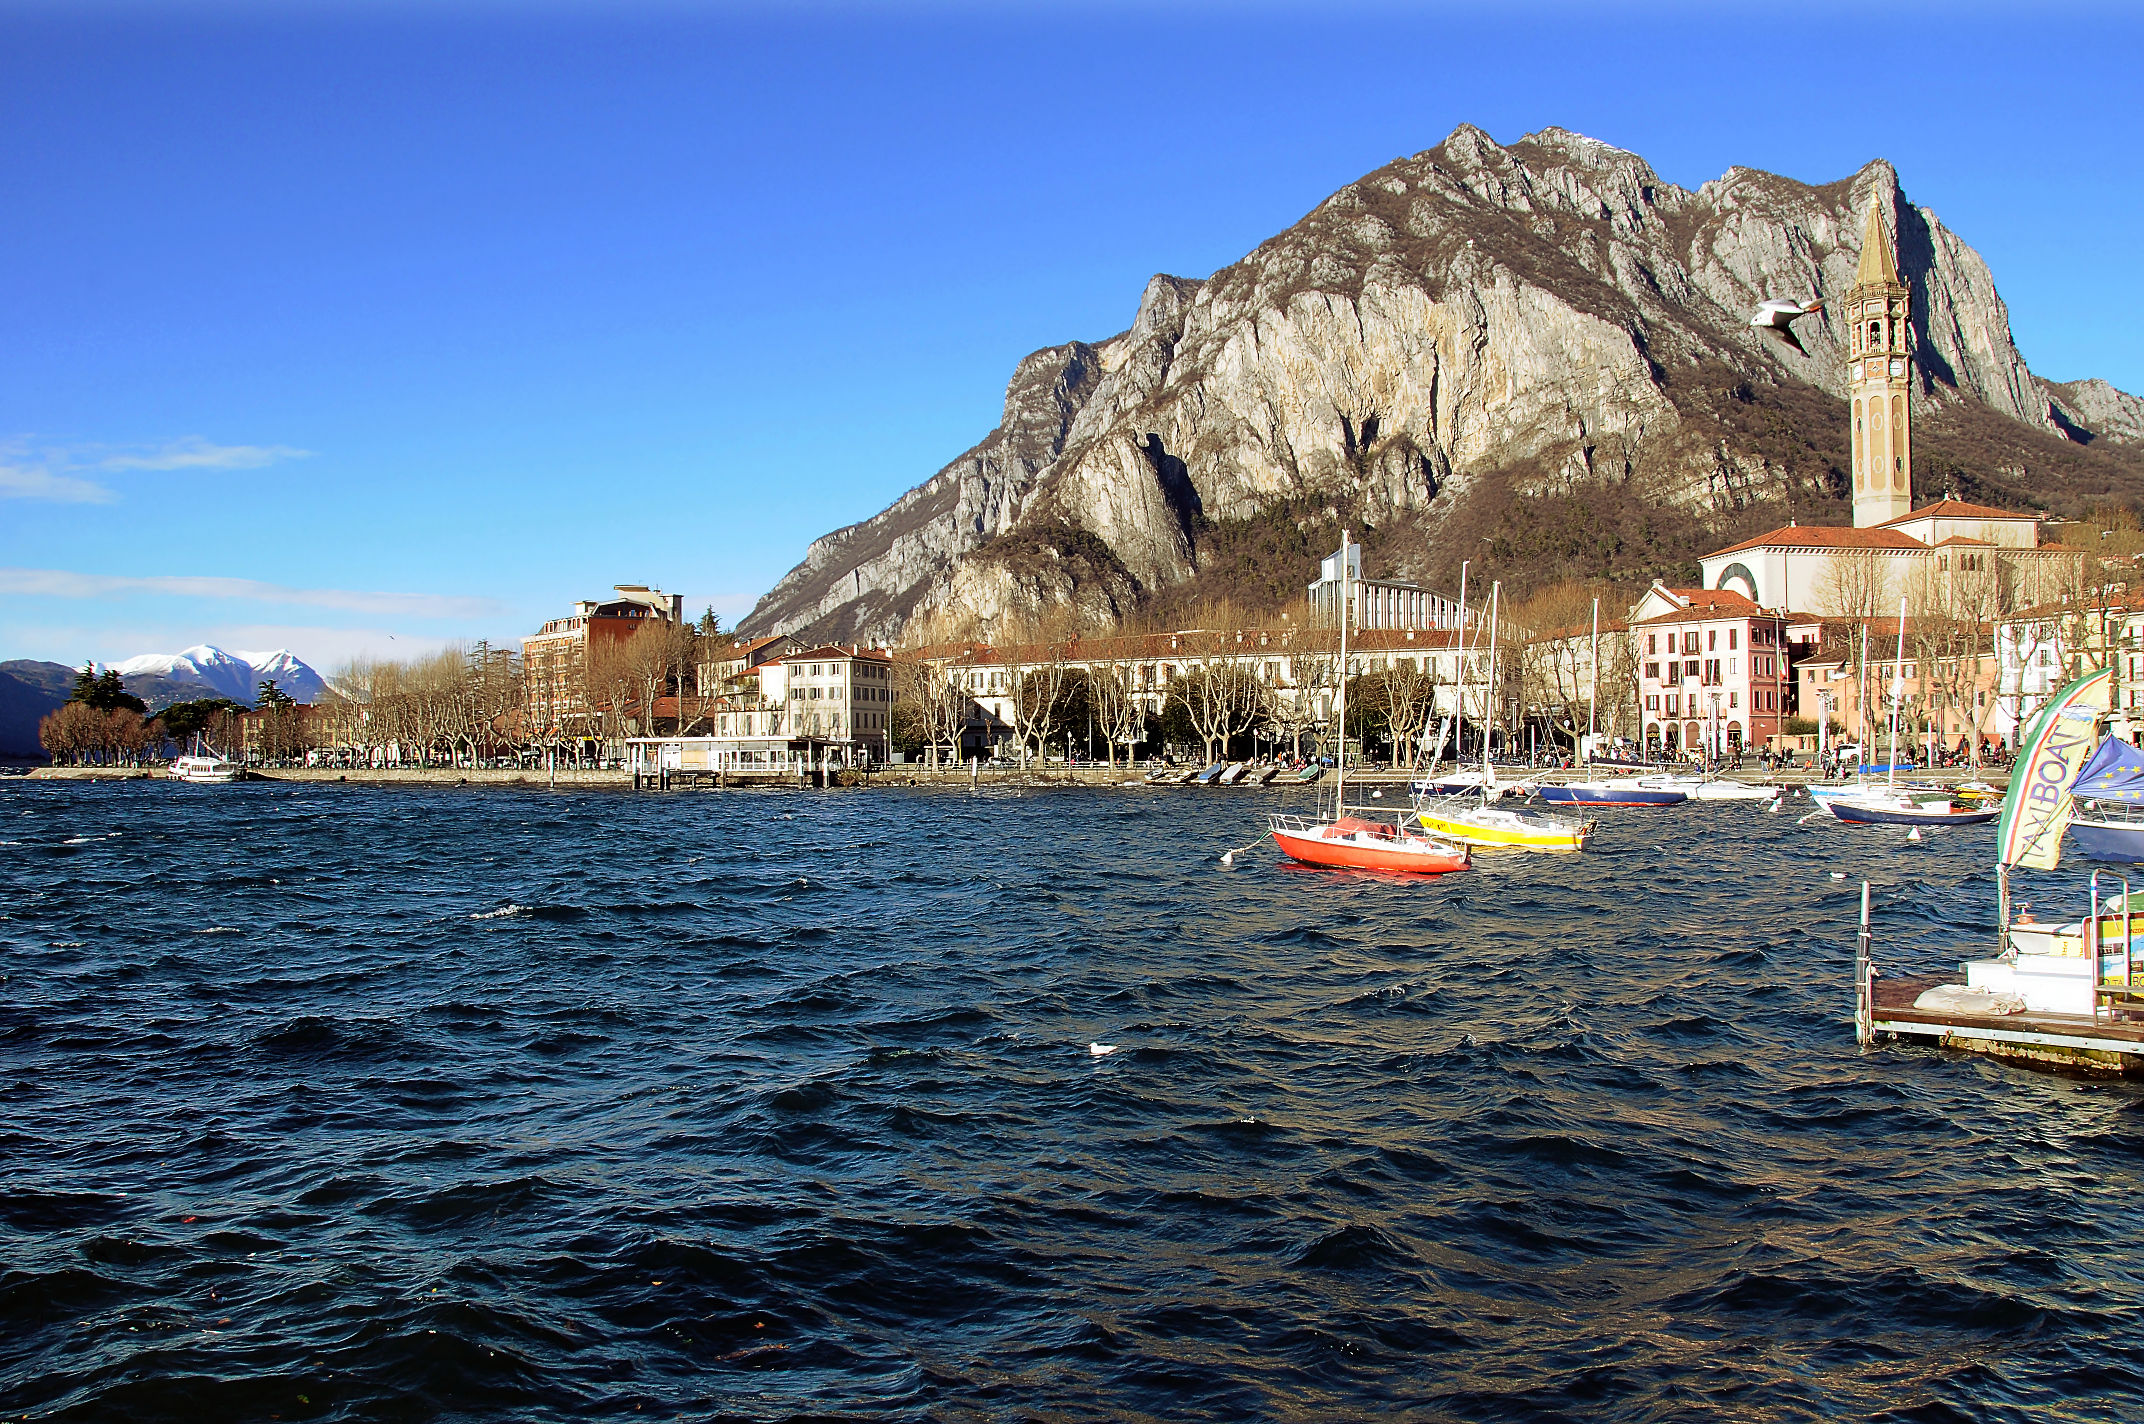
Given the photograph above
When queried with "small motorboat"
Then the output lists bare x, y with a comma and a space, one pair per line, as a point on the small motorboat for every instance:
1265, 776
1210, 774
1233, 775
1361, 839
1625, 791
1309, 774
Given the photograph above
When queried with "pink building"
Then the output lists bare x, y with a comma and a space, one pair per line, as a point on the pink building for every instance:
1712, 669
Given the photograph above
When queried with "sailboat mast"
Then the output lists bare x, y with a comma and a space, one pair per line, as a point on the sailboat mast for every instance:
1459, 703
1593, 698
1488, 691
1898, 676
1340, 756
1861, 708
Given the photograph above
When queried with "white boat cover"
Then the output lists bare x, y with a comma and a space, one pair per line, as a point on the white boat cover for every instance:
1957, 999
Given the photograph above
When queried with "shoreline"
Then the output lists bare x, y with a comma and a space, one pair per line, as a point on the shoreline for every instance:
892, 776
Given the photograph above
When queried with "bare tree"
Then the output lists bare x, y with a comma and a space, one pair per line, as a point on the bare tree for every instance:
1405, 696
1856, 583
1116, 707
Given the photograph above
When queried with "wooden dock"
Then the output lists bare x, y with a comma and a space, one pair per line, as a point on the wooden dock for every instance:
2105, 1045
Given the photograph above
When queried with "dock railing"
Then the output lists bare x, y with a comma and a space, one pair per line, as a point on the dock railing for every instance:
1864, 977
2102, 989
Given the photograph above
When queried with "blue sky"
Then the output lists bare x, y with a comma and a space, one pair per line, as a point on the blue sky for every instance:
359, 328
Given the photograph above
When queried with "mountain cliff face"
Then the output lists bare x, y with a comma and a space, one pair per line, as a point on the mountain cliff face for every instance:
1437, 342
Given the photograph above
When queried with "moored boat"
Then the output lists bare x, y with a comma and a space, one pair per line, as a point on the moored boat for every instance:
1883, 806
1712, 788
1478, 824
1622, 792
1358, 837
204, 767
1362, 840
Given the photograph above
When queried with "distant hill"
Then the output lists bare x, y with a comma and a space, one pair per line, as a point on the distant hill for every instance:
29, 691
161, 679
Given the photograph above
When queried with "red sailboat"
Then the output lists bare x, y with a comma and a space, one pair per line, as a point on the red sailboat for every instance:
1361, 837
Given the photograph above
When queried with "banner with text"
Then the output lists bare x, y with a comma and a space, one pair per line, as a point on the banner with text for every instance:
2036, 809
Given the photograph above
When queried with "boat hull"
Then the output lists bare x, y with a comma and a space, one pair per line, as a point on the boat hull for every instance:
1855, 815
1515, 833
1358, 852
2099, 841
1580, 795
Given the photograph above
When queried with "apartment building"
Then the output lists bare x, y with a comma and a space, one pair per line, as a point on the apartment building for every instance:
555, 660
1712, 670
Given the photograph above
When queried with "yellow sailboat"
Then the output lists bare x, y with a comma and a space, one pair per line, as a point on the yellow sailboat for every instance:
1497, 826
1479, 823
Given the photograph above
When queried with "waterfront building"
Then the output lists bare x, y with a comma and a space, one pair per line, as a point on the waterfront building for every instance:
1946, 685
834, 696
1283, 680
1712, 670
555, 661
2037, 650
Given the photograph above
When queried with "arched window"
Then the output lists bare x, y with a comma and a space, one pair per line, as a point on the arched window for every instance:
1875, 333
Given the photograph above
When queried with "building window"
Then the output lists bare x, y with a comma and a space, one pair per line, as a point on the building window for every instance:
1652, 702
1652, 672
1712, 641
1731, 640
1689, 641
1734, 699
1652, 642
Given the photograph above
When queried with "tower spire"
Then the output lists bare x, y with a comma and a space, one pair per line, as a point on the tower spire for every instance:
1879, 268
1879, 325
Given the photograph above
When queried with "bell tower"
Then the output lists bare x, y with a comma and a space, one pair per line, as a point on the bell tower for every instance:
1878, 313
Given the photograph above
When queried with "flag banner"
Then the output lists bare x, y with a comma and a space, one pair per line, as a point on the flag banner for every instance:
2036, 808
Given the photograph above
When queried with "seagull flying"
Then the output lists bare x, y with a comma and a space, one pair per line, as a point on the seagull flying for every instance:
1776, 319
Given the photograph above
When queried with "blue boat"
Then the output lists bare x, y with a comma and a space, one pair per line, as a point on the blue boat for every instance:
1609, 793
2107, 804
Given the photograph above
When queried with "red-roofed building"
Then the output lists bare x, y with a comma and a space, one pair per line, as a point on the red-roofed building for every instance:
1712, 669
1947, 549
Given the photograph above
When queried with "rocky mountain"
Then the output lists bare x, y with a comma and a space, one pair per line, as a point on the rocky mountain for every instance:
1535, 355
161, 679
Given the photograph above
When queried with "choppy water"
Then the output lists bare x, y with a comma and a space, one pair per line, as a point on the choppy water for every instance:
341, 1103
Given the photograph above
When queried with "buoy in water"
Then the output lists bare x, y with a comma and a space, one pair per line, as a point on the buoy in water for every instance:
1914, 834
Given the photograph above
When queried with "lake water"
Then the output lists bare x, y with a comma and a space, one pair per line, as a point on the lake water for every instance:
328, 1102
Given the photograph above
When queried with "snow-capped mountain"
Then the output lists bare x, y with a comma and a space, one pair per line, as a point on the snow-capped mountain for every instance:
205, 671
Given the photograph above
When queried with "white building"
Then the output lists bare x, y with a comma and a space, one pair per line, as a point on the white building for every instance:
1379, 603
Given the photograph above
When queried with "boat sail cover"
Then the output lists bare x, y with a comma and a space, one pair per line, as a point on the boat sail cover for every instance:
2115, 773
2036, 808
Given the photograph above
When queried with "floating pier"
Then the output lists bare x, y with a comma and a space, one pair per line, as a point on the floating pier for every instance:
2108, 1041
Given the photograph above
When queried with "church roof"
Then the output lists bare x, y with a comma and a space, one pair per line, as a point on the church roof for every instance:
1825, 536
1879, 265
1958, 509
